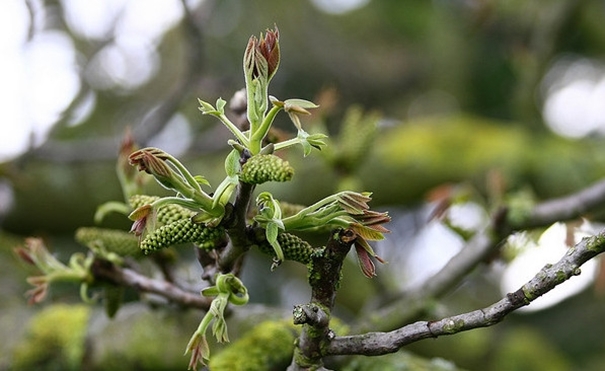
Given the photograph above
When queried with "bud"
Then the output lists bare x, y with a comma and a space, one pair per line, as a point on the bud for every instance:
261, 58
265, 168
152, 161
182, 231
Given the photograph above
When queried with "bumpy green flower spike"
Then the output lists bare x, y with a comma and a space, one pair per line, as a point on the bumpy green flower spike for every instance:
265, 168
294, 248
110, 240
182, 231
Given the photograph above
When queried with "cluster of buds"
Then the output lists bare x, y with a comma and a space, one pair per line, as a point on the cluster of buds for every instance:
36, 254
349, 210
261, 60
193, 216
173, 175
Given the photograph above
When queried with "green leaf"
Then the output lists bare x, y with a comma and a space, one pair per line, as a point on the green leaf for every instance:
302, 103
317, 140
232, 165
302, 136
272, 232
206, 107
367, 232
220, 105
201, 180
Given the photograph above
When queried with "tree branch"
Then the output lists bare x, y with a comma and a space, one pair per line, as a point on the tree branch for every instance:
105, 270
378, 343
239, 241
565, 208
324, 278
410, 304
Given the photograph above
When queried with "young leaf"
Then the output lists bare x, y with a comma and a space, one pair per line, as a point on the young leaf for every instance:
232, 165
206, 107
220, 105
296, 103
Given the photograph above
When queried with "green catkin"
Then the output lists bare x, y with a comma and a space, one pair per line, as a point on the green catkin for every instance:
182, 231
165, 214
112, 240
294, 248
140, 200
266, 168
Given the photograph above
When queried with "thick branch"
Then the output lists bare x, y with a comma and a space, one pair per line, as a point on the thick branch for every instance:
239, 241
378, 343
324, 277
104, 270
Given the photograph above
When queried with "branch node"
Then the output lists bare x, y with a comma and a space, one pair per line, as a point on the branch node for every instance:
310, 314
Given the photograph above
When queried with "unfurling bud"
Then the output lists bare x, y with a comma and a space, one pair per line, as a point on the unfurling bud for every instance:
265, 168
182, 231
262, 56
294, 248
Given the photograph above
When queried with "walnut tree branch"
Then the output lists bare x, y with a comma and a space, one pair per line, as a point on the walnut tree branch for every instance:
551, 275
565, 208
104, 270
411, 303
324, 278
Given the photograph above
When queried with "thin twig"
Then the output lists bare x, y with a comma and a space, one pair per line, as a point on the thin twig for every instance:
104, 270
552, 275
411, 303
566, 208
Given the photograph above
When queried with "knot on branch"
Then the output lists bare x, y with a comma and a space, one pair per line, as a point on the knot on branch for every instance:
310, 314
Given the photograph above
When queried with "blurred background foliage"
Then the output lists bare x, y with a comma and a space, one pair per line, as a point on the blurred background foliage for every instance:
461, 92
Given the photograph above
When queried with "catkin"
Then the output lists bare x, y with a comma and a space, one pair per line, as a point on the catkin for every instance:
266, 168
112, 240
182, 231
294, 248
